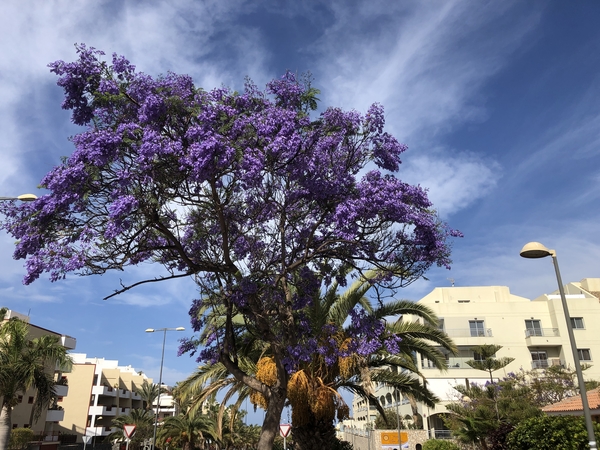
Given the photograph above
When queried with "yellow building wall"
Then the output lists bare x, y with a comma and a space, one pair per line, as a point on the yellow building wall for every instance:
77, 403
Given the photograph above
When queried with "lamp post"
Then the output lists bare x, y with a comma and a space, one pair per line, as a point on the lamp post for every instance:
536, 250
162, 358
22, 197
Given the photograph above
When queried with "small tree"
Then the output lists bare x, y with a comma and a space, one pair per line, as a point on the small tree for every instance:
482, 410
487, 361
389, 421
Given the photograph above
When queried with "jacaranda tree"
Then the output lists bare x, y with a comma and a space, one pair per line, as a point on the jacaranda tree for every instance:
246, 192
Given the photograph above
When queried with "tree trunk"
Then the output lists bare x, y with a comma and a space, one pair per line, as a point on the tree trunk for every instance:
5, 426
319, 435
417, 418
270, 427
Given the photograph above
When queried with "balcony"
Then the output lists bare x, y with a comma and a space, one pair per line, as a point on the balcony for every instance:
61, 390
468, 333
104, 390
55, 415
103, 411
545, 363
68, 342
99, 431
542, 337
135, 396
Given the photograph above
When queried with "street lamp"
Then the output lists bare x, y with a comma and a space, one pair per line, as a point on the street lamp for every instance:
162, 358
537, 250
22, 197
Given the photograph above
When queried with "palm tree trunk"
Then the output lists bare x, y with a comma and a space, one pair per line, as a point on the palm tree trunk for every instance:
270, 427
319, 435
5, 426
417, 418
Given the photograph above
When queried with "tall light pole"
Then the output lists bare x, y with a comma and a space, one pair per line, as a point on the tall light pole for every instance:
537, 250
162, 358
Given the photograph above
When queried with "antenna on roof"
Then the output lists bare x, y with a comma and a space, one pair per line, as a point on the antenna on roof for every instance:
451, 280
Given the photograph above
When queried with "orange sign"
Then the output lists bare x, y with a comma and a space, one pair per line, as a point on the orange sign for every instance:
391, 438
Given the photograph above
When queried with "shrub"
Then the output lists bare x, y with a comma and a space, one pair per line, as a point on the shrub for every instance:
440, 444
551, 433
19, 438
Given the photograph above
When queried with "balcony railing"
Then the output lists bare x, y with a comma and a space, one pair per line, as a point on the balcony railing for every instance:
104, 390
61, 390
48, 436
99, 431
55, 415
468, 332
442, 434
103, 410
453, 363
545, 363
542, 332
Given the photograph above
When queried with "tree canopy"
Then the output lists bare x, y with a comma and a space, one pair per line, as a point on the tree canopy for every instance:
246, 192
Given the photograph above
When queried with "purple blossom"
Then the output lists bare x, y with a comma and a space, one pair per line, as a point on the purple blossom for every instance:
263, 204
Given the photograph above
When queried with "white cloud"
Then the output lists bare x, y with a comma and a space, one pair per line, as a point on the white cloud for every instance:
426, 67
453, 180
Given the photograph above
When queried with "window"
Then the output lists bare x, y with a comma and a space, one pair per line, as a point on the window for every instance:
20, 399
577, 323
441, 324
584, 354
533, 328
30, 401
464, 301
539, 360
15, 426
476, 328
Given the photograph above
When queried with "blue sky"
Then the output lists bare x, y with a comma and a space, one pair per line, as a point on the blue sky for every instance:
497, 102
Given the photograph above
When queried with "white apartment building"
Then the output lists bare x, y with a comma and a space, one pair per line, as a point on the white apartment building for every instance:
533, 332
100, 391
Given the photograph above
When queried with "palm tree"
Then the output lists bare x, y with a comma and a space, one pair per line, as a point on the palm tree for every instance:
188, 431
143, 420
200, 389
313, 388
149, 393
24, 365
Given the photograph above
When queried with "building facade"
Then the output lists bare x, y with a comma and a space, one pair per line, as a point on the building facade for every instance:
46, 428
100, 391
533, 332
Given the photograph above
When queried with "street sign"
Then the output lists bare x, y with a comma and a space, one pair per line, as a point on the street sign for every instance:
86, 439
129, 430
284, 429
